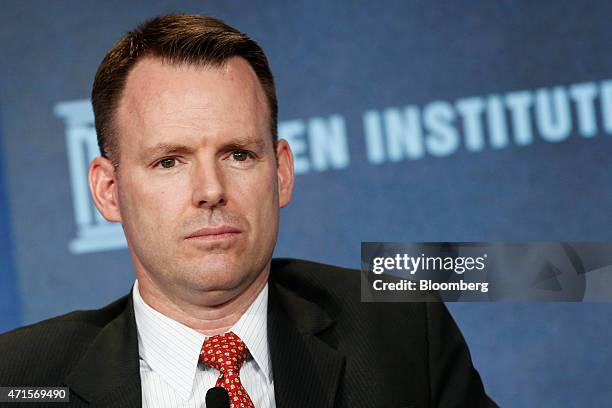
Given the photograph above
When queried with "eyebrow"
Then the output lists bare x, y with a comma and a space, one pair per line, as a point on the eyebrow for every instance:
243, 143
166, 148
174, 148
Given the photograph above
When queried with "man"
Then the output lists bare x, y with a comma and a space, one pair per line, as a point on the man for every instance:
191, 166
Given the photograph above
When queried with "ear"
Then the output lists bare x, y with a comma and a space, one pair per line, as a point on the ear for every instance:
284, 159
103, 185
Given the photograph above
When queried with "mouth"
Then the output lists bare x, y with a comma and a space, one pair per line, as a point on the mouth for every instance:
215, 233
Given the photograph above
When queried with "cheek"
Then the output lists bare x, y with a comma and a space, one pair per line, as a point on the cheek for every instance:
254, 196
264, 202
258, 192
154, 205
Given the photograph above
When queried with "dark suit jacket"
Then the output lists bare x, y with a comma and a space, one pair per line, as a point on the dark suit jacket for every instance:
328, 349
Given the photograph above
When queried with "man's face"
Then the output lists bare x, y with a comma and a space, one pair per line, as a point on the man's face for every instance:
198, 187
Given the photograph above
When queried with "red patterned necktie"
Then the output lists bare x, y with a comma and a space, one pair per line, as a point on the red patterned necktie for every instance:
226, 352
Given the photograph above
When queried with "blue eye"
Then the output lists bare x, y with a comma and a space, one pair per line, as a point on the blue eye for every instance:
167, 163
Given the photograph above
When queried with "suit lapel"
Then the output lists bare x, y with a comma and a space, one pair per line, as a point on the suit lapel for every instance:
109, 372
306, 369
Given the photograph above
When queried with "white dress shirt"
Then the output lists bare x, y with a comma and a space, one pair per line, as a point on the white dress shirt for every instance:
170, 373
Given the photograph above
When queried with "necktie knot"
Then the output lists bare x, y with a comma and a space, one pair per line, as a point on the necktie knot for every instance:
224, 352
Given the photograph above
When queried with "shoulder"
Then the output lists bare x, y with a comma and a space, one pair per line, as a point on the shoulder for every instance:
338, 282
417, 341
298, 271
338, 290
44, 352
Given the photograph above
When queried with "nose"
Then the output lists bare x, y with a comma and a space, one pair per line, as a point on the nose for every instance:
208, 186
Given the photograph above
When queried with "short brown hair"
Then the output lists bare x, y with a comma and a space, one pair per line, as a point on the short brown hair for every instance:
176, 39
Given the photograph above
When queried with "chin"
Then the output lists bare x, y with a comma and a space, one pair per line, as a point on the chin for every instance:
219, 276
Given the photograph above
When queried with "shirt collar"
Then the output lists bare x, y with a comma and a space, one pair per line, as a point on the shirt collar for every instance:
252, 328
172, 349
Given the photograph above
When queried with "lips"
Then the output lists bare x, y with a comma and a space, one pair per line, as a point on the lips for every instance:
216, 232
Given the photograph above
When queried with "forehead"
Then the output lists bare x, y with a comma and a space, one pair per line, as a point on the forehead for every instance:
162, 100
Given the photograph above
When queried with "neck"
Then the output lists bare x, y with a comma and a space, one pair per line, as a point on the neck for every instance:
208, 320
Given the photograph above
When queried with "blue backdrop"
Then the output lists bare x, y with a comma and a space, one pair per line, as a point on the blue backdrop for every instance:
410, 121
